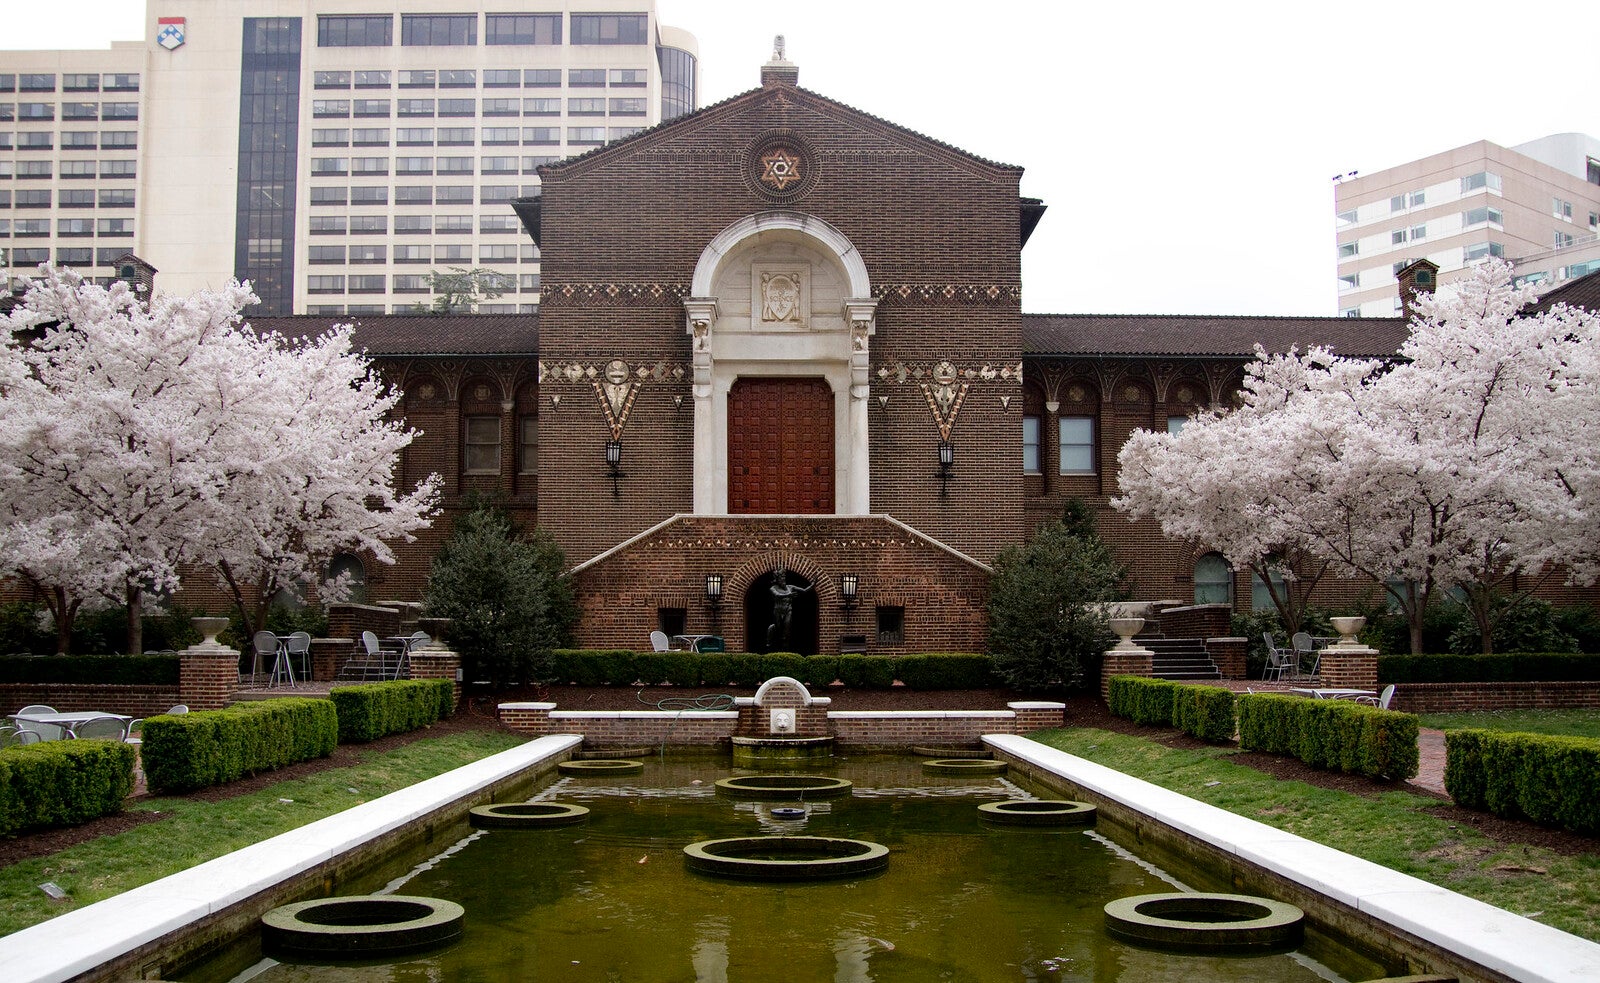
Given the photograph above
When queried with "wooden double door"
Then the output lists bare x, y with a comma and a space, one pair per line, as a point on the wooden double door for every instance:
780, 447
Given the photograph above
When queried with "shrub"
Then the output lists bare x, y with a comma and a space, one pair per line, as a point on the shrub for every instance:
945, 670
820, 671
858, 671
1047, 624
116, 670
25, 628
371, 711
716, 669
1205, 712
1142, 700
1331, 734
187, 751
791, 664
1522, 624
1548, 779
62, 783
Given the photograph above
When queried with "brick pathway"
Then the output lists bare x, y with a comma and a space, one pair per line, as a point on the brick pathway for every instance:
1430, 764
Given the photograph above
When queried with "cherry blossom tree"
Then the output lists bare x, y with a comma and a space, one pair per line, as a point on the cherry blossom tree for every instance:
1465, 462
139, 438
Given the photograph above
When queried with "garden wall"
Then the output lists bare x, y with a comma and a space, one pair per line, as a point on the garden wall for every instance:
132, 700
1451, 697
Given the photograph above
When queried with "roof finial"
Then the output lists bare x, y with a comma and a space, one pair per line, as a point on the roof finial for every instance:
777, 47
779, 71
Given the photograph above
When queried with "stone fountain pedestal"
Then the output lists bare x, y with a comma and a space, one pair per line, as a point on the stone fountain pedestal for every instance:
782, 726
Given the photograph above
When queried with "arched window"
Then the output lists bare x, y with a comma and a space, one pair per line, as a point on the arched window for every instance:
1260, 596
348, 567
1213, 580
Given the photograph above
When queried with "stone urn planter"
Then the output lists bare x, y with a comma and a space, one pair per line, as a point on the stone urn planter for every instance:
1126, 628
1348, 629
210, 628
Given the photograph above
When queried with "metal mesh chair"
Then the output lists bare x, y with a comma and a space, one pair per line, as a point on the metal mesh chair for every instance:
107, 728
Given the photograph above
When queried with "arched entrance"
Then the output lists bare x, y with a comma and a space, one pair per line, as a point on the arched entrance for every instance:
759, 615
780, 447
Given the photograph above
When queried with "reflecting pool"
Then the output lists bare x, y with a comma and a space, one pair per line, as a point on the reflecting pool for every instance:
961, 900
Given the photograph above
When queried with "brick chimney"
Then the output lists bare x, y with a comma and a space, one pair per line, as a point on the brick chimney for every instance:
137, 274
1419, 276
779, 71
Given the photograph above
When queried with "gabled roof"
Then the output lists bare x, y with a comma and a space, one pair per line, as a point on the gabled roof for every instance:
1583, 292
399, 335
1204, 335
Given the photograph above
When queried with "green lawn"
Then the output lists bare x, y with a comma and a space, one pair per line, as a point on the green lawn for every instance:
1393, 828
193, 832
1574, 723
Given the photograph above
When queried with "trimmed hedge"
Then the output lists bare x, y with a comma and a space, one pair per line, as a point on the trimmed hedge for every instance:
621, 667
1206, 712
187, 751
105, 670
1331, 734
1546, 778
373, 710
1518, 667
62, 783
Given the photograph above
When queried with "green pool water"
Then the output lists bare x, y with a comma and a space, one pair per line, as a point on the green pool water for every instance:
961, 900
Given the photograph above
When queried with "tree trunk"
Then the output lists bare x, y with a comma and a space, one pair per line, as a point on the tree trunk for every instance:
65, 612
135, 619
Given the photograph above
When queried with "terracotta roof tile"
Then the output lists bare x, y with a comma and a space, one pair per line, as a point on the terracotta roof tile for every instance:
1205, 336
1583, 292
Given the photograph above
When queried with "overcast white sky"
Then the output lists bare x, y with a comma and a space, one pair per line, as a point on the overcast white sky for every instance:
1185, 150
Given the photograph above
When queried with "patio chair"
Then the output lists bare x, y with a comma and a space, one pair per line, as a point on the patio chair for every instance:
660, 643
26, 737
1278, 660
1305, 650
35, 708
264, 643
107, 728
1381, 701
299, 646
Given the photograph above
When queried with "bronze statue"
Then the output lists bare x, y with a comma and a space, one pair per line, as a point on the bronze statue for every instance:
782, 607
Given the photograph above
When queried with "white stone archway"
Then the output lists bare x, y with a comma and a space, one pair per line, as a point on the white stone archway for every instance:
780, 294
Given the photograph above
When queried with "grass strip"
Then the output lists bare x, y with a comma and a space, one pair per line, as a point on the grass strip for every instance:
1571, 723
192, 832
1392, 828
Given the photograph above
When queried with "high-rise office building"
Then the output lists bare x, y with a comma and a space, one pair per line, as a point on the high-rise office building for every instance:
334, 153
1536, 205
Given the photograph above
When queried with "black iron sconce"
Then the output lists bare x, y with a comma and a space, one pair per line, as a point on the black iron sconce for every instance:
714, 589
614, 462
947, 460
849, 584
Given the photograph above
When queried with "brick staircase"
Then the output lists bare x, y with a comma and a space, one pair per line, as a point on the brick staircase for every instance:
1179, 658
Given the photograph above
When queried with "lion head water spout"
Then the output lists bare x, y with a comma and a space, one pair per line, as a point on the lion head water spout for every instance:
782, 726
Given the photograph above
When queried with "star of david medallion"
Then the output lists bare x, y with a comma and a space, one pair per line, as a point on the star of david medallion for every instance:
780, 168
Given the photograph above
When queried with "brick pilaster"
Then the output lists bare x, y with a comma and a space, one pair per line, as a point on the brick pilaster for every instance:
1354, 666
208, 676
433, 663
1123, 662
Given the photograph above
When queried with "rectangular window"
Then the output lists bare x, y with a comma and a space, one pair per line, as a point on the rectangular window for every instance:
541, 78
541, 134
1349, 281
36, 110
1478, 216
121, 82
891, 625
8, 82
77, 256
1175, 424
456, 136
497, 165
1563, 239
372, 107
369, 196
412, 254
116, 197
369, 225
434, 30
412, 194
114, 226
419, 78
586, 78
415, 107
371, 283
522, 29
119, 140
30, 257
458, 78
453, 165
29, 227
372, 79
627, 107
369, 254
371, 137
355, 31
1482, 179
413, 165
458, 107
528, 283
37, 168
586, 134
453, 225
498, 136
324, 166
117, 168
497, 254
454, 253
609, 28
73, 140
1347, 218
324, 284
33, 198
330, 80
327, 225
410, 283
1030, 445
413, 224
586, 107
119, 110
1397, 237
499, 225
330, 138
501, 78
528, 445
1561, 209
80, 83
1419, 232
329, 196
369, 165
80, 110
75, 198
36, 82
1479, 250
414, 136
326, 254
1077, 445
497, 194
330, 108
1348, 249
74, 227
1418, 199
36, 140
628, 78
502, 107
1397, 203
481, 452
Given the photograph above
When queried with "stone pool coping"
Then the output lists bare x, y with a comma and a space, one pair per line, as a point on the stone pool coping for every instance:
1507, 945
120, 936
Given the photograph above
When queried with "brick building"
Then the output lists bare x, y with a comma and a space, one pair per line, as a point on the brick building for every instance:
783, 334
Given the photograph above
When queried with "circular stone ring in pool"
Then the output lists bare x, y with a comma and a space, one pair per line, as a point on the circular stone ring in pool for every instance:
1038, 812
786, 858
601, 766
527, 815
964, 766
1205, 921
784, 786
362, 926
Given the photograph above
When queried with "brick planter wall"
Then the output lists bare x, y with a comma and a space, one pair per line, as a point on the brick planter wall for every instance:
1196, 620
327, 655
1451, 697
1229, 655
350, 620
133, 701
